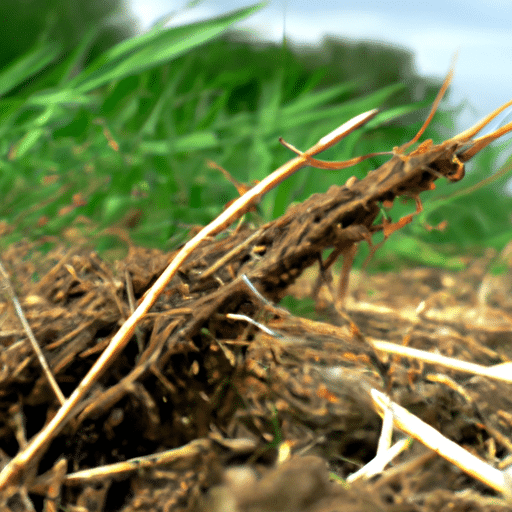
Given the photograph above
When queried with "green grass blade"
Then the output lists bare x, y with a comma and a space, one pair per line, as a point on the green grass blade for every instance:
316, 99
153, 48
394, 113
73, 62
26, 143
191, 142
28, 65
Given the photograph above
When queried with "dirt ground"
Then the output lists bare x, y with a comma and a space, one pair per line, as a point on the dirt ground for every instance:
226, 417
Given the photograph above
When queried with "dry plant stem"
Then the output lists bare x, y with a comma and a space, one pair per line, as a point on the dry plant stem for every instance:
408, 467
58, 472
14, 470
386, 433
385, 452
332, 166
481, 142
378, 464
400, 150
501, 372
229, 255
443, 446
128, 466
35, 345
131, 303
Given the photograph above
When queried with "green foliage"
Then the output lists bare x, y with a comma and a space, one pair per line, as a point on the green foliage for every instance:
26, 23
120, 145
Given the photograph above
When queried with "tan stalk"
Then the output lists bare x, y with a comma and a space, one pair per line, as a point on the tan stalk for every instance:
502, 371
4, 277
401, 149
452, 452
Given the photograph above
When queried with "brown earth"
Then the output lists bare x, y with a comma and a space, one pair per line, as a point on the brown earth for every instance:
224, 417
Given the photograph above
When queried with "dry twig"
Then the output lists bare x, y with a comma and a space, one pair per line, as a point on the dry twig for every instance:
443, 446
26, 326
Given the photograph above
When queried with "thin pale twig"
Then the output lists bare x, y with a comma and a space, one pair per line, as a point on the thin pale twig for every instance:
131, 303
245, 318
187, 451
332, 166
35, 345
378, 464
501, 371
385, 452
229, 255
443, 446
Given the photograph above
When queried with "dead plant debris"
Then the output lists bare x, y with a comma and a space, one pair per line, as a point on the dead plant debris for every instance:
204, 410
202, 425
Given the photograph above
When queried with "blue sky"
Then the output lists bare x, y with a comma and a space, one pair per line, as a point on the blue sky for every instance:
480, 30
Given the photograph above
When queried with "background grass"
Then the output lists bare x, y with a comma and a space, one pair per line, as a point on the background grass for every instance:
99, 151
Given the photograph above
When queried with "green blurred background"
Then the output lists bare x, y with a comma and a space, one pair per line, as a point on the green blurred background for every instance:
105, 135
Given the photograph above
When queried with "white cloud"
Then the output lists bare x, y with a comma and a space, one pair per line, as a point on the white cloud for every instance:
479, 33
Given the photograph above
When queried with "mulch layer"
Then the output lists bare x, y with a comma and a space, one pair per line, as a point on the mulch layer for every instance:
211, 413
